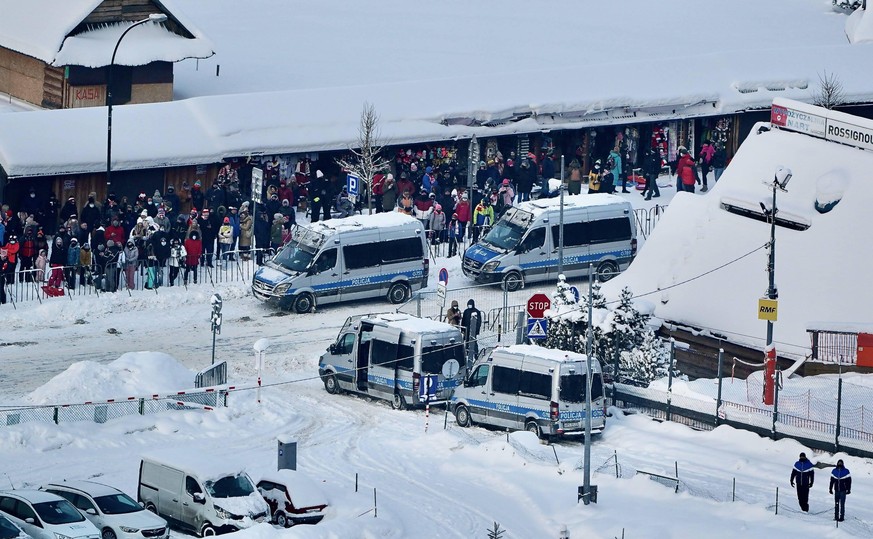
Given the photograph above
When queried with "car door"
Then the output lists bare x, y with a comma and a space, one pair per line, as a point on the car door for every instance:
361, 270
21, 512
576, 248
532, 255
383, 360
477, 391
324, 276
190, 508
343, 357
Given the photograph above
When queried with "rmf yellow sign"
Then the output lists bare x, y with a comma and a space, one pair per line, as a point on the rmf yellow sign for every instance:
767, 309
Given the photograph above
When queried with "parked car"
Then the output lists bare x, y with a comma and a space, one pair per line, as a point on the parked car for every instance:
113, 512
44, 515
8, 530
293, 498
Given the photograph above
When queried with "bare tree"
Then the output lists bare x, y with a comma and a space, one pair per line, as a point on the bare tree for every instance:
366, 162
830, 91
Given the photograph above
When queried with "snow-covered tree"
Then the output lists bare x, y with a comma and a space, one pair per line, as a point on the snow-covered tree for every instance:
830, 92
366, 162
563, 295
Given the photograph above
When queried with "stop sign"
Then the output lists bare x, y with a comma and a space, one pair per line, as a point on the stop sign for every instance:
537, 305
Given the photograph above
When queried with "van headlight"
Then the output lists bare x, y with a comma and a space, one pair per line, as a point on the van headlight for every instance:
61, 536
223, 513
491, 266
282, 289
125, 529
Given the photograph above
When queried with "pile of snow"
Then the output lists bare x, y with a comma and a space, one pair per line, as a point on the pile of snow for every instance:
859, 27
132, 374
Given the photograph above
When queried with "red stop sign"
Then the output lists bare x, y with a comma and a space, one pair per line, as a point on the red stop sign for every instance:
537, 305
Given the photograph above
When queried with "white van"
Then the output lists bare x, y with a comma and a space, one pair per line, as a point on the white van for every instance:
390, 356
533, 388
347, 259
198, 495
523, 245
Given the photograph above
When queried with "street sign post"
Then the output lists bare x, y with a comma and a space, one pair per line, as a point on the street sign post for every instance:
537, 328
537, 305
444, 276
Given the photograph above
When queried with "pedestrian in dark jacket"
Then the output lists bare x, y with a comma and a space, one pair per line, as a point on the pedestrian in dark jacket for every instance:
215, 197
209, 231
841, 484
69, 209
471, 322
90, 213
651, 170
320, 196
803, 476
262, 237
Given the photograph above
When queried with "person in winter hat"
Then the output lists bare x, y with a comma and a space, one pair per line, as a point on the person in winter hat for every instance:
209, 226
841, 485
389, 193
246, 231
685, 171
455, 233
40, 265
129, 260
462, 208
406, 204
506, 194
276, 232
704, 158
471, 324
454, 315
72, 264
198, 199
225, 240
437, 225
177, 259
803, 475
594, 178
483, 217
193, 252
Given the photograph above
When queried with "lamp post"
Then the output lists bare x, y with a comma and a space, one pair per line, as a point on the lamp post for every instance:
154, 17
589, 350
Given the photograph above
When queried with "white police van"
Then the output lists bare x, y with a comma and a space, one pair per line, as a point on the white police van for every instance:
347, 259
396, 357
523, 245
532, 388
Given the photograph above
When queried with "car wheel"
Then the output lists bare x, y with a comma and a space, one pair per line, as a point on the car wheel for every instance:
607, 270
281, 520
207, 531
398, 402
512, 281
531, 426
151, 507
331, 385
108, 534
398, 293
303, 303
462, 416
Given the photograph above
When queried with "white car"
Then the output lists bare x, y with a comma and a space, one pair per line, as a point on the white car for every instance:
44, 515
113, 512
8, 529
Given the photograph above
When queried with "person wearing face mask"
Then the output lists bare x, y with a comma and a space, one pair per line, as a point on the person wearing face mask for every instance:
31, 203
90, 213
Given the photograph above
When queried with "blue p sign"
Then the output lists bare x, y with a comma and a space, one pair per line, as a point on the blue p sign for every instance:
352, 183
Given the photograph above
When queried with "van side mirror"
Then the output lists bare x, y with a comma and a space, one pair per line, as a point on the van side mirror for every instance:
332, 349
199, 498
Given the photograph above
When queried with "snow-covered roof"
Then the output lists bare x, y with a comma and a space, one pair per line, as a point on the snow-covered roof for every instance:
543, 205
407, 322
679, 268
33, 496
552, 354
304, 491
364, 222
859, 26
40, 29
195, 463
89, 487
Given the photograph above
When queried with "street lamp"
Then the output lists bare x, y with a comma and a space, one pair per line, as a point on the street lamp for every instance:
154, 17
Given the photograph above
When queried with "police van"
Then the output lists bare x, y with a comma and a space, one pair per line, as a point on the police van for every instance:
528, 387
347, 259
396, 357
523, 245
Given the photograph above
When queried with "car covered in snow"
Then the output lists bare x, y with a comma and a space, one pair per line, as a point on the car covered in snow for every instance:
293, 498
113, 512
8, 529
44, 515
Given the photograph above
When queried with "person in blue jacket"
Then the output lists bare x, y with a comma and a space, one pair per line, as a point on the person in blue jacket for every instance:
803, 474
841, 484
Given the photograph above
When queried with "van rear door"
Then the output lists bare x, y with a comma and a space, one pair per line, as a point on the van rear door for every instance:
571, 387
383, 359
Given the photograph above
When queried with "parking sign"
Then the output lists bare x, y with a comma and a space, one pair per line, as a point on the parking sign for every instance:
353, 184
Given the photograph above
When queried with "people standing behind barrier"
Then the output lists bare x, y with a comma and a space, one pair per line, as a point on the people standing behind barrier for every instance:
246, 231
651, 170
462, 208
12, 248
86, 261
39, 266
276, 232
4, 269
840, 486
685, 171
225, 240
115, 232
483, 218
193, 252
389, 193
803, 476
129, 259
177, 259
27, 254
454, 316
594, 178
72, 263
437, 224
455, 235
320, 195
208, 233
506, 196
262, 237
471, 325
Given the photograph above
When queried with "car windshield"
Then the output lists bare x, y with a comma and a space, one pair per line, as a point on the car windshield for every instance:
58, 512
295, 257
8, 530
231, 486
505, 235
117, 504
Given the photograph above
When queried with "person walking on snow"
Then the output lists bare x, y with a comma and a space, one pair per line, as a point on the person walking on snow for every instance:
803, 475
841, 484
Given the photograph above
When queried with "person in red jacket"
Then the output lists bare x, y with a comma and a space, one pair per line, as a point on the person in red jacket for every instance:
28, 254
193, 250
12, 247
115, 232
462, 208
685, 171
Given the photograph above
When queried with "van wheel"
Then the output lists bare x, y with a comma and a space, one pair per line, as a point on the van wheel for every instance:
512, 281
108, 534
531, 426
398, 293
462, 416
607, 270
398, 402
303, 303
207, 531
281, 520
151, 507
331, 385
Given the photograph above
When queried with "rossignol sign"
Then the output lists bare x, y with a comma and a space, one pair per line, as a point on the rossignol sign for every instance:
822, 123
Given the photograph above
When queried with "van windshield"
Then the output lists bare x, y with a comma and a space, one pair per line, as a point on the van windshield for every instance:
573, 387
505, 235
231, 486
433, 357
295, 256
58, 512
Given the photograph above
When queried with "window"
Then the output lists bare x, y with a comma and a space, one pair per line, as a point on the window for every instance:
505, 380
8, 529
534, 240
405, 357
607, 230
575, 234
573, 387
326, 261
399, 250
346, 344
479, 376
191, 486
536, 385
57, 512
24, 511
384, 354
361, 256
7, 505
434, 357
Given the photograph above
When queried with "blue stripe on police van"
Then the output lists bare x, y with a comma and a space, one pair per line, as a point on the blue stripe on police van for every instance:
575, 259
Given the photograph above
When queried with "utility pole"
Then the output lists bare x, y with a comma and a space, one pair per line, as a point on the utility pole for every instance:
561, 223
589, 344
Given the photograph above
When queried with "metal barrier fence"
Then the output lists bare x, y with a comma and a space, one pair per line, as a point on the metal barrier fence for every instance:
647, 218
101, 412
214, 375
75, 281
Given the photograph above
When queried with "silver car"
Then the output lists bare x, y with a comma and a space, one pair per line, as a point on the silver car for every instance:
44, 515
8, 530
113, 512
